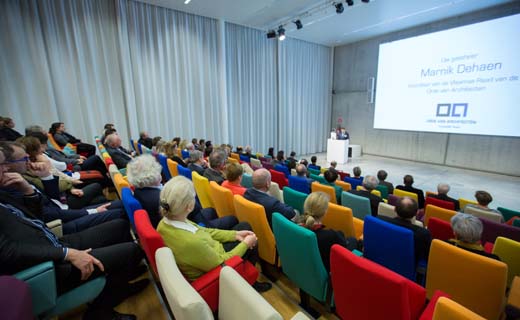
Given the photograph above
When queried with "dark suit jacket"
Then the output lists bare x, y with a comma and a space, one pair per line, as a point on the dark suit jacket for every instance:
271, 204
374, 200
389, 185
197, 168
214, 175
327, 238
119, 156
418, 192
146, 142
8, 134
446, 198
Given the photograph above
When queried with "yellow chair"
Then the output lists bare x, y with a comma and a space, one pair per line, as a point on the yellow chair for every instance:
437, 212
329, 190
136, 147
402, 193
509, 252
446, 308
222, 199
475, 281
201, 185
120, 182
259, 155
376, 192
172, 166
233, 160
463, 202
254, 214
340, 218
235, 156
344, 185
323, 170
358, 227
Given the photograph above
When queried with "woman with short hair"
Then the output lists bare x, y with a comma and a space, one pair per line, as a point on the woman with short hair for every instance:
468, 231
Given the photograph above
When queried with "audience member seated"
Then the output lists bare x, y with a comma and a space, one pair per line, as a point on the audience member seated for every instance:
248, 152
145, 140
357, 172
313, 164
270, 152
108, 126
7, 132
381, 175
171, 151
197, 162
197, 250
314, 208
217, 163
234, 173
442, 194
259, 194
292, 156
144, 173
369, 184
301, 172
280, 159
483, 199
291, 164
202, 145
304, 162
120, 155
406, 209
408, 182
468, 232
62, 138
333, 165
331, 176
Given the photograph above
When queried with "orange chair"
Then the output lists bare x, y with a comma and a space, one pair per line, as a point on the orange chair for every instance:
235, 156
201, 185
402, 193
120, 183
438, 212
475, 281
233, 160
254, 214
172, 167
446, 308
340, 218
344, 185
222, 199
329, 190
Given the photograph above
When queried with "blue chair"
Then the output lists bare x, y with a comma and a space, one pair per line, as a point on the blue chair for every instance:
283, 169
244, 158
185, 154
184, 171
130, 203
247, 181
301, 260
41, 279
139, 148
294, 198
317, 177
360, 205
353, 182
389, 245
299, 184
132, 144
164, 164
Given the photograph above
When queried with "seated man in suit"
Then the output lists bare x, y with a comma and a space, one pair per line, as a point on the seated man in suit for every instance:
197, 162
408, 181
259, 194
442, 194
217, 164
119, 155
331, 176
381, 175
301, 172
313, 164
369, 184
106, 249
406, 209
357, 172
145, 140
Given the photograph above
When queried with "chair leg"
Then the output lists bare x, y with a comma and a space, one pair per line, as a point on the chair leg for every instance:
269, 271
305, 303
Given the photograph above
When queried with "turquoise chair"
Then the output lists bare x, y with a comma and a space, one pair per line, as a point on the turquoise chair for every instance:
383, 190
301, 261
247, 181
41, 279
516, 223
508, 213
314, 171
360, 205
294, 198
317, 177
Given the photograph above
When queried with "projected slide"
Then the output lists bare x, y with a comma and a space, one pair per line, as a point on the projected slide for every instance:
462, 80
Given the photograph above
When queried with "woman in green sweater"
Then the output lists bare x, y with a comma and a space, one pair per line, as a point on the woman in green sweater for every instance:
197, 249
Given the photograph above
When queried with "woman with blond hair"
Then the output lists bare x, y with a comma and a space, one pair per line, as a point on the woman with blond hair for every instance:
314, 209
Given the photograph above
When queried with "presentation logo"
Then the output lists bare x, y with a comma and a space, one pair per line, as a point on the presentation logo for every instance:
459, 110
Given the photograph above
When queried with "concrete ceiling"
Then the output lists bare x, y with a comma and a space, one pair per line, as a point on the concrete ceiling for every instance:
321, 22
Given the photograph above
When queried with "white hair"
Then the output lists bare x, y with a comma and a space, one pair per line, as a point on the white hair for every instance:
467, 227
443, 188
176, 196
370, 182
144, 171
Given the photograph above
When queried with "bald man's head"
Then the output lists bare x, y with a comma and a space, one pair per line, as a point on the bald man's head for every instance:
261, 179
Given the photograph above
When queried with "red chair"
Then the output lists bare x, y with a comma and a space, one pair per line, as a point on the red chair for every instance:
279, 178
365, 290
207, 284
439, 203
343, 174
440, 229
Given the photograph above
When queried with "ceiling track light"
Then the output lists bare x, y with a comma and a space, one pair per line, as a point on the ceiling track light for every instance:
298, 24
339, 7
365, 1
350, 3
281, 33
271, 34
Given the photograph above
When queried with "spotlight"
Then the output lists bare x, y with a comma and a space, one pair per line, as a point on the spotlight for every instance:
350, 2
339, 7
298, 24
187, 1
281, 33
271, 34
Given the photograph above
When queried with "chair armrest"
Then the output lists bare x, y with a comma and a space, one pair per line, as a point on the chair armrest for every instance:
29, 273
42, 283
56, 227
430, 308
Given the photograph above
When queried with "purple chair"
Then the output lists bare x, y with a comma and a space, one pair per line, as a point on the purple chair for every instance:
15, 299
267, 165
492, 230
393, 199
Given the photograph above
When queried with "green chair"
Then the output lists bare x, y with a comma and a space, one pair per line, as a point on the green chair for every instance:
516, 223
508, 213
247, 181
360, 205
301, 261
314, 171
41, 279
318, 178
383, 190
294, 198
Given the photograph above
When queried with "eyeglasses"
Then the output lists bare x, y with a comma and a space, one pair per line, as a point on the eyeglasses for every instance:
24, 159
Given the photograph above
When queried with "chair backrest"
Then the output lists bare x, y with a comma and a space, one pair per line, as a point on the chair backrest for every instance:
463, 202
256, 163
317, 178
184, 171
222, 199
300, 257
492, 230
163, 160
150, 239
343, 174
184, 301
438, 212
130, 203
294, 198
402, 193
173, 168
384, 190
392, 199
299, 184
353, 182
439, 203
244, 158
238, 300
235, 156
508, 213
389, 245
279, 178
340, 218
247, 181
254, 214
120, 183
516, 223
344, 185
233, 160
274, 190
445, 308
509, 252
493, 216
387, 210
365, 290
329, 190
139, 148
314, 170
360, 205
185, 154
475, 281
201, 185
267, 165
283, 169
440, 229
